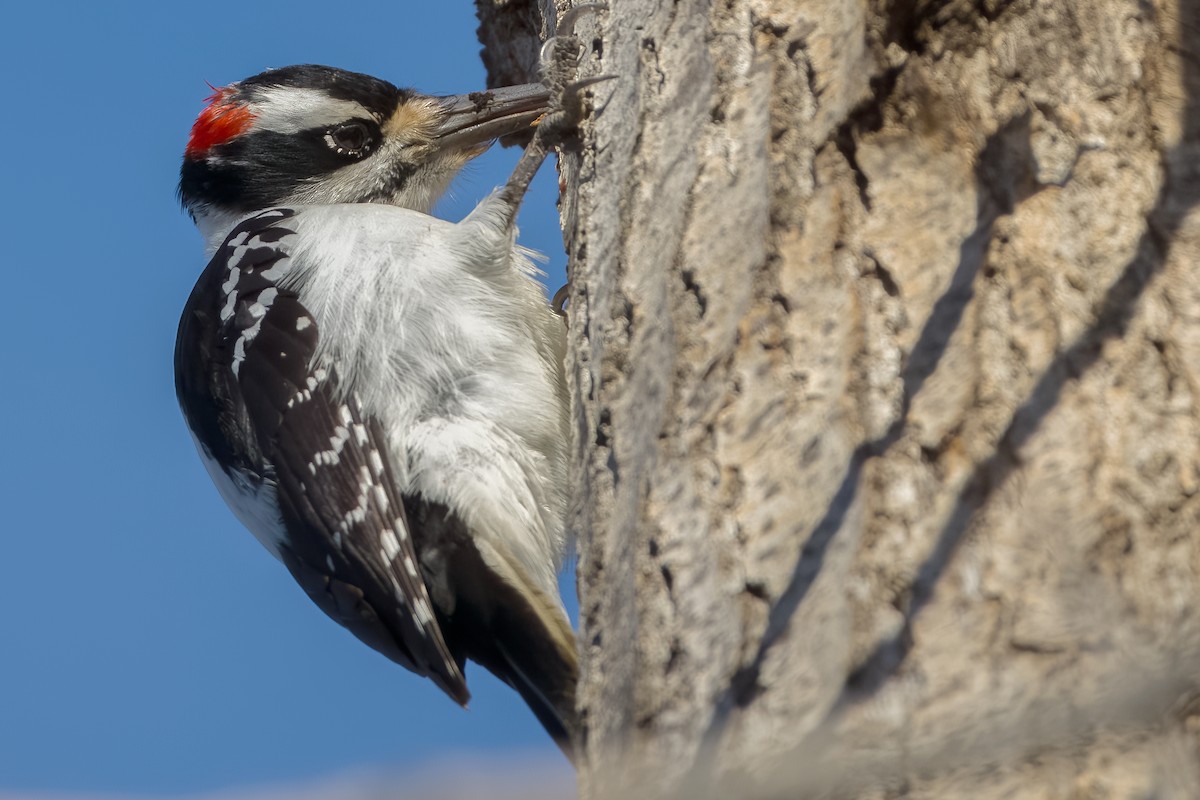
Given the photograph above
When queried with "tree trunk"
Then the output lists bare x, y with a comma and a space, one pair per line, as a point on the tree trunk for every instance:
885, 352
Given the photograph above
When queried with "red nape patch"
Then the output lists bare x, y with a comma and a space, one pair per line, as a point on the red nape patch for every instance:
217, 124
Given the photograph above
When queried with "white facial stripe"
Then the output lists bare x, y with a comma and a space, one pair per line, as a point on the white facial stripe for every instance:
288, 109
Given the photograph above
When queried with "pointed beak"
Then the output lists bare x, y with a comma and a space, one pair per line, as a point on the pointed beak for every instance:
478, 118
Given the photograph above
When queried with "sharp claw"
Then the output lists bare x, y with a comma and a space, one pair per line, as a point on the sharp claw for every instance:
547, 53
566, 24
583, 83
560, 57
565, 29
559, 302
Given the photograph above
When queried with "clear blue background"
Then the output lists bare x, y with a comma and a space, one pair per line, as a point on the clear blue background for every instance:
147, 643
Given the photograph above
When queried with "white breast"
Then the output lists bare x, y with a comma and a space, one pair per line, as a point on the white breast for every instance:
441, 332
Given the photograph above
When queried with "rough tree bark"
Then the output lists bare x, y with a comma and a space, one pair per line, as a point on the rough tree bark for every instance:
885, 350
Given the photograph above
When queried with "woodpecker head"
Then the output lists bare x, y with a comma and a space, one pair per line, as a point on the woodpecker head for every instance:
318, 135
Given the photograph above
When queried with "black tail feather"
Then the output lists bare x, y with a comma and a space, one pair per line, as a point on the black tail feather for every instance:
491, 613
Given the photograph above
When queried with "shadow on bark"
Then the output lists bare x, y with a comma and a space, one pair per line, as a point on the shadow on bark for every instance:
1178, 195
1002, 173
1002, 176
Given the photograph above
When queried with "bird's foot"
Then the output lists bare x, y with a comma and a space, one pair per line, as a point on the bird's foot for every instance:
560, 57
560, 61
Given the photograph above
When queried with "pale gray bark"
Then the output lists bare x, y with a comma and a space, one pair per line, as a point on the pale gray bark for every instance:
885, 349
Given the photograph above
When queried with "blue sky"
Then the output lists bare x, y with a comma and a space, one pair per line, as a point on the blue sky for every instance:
147, 643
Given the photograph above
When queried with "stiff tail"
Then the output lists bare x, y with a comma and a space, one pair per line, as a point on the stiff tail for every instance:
544, 670
492, 614
532, 648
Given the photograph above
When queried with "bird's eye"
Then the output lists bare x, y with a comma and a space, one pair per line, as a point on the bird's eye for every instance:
350, 139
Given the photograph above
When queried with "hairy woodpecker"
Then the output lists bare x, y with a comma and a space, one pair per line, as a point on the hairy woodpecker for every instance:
379, 394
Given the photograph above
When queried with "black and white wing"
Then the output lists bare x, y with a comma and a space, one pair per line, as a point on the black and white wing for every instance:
277, 423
